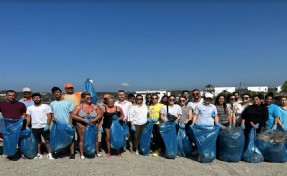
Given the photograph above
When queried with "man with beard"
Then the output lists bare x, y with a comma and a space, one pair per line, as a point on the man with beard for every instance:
61, 111
40, 117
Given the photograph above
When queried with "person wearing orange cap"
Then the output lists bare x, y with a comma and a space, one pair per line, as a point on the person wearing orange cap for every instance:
74, 97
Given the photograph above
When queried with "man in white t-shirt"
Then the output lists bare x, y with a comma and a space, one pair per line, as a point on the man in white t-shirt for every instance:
40, 117
196, 95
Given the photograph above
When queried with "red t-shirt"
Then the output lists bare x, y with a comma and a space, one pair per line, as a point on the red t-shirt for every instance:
12, 110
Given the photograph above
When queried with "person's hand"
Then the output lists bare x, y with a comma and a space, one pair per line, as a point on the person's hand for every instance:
243, 126
46, 128
220, 126
149, 120
165, 121
133, 128
274, 128
155, 120
192, 125
86, 121
101, 129
256, 126
185, 122
182, 125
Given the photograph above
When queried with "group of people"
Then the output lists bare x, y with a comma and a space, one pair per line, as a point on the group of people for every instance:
77, 109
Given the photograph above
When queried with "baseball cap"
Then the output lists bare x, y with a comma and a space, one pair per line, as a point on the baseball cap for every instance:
26, 89
106, 95
68, 85
208, 95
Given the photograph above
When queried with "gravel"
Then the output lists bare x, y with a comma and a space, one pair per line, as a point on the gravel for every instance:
134, 165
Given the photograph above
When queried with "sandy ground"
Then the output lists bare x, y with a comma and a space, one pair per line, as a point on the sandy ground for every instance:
131, 164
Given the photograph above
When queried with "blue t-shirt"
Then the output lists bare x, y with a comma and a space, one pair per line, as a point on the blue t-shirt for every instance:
272, 114
206, 114
61, 110
27, 103
282, 114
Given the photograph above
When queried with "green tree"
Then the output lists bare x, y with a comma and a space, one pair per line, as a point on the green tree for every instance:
284, 87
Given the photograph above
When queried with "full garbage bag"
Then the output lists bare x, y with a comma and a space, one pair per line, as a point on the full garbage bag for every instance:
251, 153
118, 140
28, 144
61, 136
205, 139
231, 144
273, 146
168, 133
184, 147
10, 130
146, 138
90, 136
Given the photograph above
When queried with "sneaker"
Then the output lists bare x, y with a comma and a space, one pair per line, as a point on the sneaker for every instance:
82, 157
1, 139
108, 155
40, 156
119, 155
137, 152
99, 155
155, 154
50, 156
72, 156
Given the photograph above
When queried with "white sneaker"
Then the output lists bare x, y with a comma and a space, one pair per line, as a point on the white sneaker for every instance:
82, 157
40, 156
137, 152
50, 156
99, 155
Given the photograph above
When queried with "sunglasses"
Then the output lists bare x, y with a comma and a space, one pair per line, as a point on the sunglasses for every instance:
182, 100
148, 97
89, 98
154, 98
171, 99
139, 99
27, 92
195, 94
232, 98
245, 98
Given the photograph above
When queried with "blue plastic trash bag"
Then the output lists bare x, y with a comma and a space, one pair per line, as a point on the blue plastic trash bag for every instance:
28, 144
184, 147
231, 144
251, 153
205, 139
118, 139
10, 130
88, 87
145, 139
273, 150
168, 133
90, 136
61, 136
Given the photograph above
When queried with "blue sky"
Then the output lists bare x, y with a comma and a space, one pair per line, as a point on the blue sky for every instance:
172, 45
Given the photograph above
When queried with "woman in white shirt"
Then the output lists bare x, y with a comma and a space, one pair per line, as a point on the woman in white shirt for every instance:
172, 109
137, 116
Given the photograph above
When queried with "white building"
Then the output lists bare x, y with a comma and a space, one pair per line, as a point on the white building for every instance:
218, 90
279, 89
258, 89
160, 93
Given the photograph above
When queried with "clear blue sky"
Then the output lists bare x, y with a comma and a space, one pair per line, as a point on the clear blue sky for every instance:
174, 45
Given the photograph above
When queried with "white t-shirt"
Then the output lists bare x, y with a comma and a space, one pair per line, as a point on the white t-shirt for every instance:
39, 115
173, 110
194, 104
125, 105
138, 114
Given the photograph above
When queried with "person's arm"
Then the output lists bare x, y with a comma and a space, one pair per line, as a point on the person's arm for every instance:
122, 115
190, 115
49, 115
179, 113
99, 115
74, 114
24, 109
28, 118
162, 113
